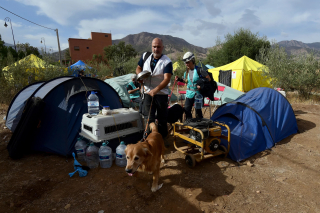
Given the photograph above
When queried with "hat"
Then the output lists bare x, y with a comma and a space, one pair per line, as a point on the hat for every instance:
134, 76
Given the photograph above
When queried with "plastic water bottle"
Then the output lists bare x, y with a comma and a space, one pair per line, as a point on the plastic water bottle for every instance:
92, 156
81, 147
105, 156
93, 104
121, 159
198, 101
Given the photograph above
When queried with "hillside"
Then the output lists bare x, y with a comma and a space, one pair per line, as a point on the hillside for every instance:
174, 46
294, 47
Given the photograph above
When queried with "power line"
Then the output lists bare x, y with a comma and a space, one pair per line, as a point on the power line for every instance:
26, 19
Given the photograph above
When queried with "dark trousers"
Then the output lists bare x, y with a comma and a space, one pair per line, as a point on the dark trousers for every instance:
188, 107
159, 105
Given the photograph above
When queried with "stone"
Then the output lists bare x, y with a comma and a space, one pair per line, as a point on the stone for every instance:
67, 206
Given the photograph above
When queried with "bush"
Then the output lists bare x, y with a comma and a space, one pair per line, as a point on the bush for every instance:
300, 72
15, 77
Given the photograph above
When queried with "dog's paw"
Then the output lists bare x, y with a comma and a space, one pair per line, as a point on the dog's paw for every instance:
154, 189
162, 161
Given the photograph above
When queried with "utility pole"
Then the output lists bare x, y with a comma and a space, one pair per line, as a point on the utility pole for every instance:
59, 47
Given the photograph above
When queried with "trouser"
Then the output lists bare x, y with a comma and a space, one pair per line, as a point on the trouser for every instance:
159, 105
188, 107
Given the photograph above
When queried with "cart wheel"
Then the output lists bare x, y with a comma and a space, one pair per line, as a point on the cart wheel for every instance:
224, 149
190, 160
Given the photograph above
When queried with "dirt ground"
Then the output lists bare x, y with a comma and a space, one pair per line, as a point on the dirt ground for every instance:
285, 179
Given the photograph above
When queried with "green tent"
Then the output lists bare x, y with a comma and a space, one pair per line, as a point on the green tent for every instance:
120, 85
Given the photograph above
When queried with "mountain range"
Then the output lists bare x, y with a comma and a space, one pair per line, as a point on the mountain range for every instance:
174, 46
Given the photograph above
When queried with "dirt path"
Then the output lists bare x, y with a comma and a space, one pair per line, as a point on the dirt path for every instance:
285, 179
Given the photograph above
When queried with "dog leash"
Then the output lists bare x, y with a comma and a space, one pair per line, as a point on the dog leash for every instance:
145, 130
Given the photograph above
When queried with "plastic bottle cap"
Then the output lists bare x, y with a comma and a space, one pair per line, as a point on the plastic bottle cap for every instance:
91, 144
105, 106
122, 143
92, 92
103, 144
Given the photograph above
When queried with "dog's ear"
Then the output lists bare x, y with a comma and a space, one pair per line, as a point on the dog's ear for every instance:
127, 148
147, 151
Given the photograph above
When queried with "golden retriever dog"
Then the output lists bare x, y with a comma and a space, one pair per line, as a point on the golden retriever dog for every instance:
146, 156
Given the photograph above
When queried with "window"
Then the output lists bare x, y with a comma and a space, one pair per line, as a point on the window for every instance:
105, 35
87, 47
76, 48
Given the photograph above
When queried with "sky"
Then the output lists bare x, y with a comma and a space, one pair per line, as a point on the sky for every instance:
199, 22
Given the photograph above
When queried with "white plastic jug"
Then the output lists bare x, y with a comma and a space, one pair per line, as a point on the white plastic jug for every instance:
121, 159
93, 104
105, 156
92, 156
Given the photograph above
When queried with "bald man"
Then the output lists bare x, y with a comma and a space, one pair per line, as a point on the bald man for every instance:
156, 86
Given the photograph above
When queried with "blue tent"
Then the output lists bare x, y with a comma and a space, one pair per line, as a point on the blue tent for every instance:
257, 120
65, 103
76, 67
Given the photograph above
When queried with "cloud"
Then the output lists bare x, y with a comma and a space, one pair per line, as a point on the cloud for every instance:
283, 34
210, 6
174, 28
140, 21
50, 41
206, 25
249, 19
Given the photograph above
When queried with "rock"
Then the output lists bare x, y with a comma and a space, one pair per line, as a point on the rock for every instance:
11, 204
258, 192
186, 178
249, 164
54, 209
281, 179
101, 211
67, 206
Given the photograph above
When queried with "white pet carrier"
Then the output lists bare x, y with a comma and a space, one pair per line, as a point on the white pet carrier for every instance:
122, 122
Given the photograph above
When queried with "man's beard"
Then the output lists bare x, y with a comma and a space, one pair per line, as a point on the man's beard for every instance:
156, 55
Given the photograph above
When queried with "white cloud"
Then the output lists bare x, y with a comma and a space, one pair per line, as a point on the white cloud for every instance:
174, 28
211, 8
298, 18
283, 34
135, 23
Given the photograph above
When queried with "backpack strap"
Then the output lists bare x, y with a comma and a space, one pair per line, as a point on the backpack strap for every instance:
146, 56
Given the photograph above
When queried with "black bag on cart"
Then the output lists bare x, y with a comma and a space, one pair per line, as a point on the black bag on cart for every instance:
23, 135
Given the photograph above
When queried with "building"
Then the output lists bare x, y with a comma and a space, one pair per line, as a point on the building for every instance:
84, 49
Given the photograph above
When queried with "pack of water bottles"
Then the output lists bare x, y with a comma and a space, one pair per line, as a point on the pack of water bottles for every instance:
93, 156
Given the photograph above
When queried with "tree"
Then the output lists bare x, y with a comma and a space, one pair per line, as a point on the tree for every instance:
27, 49
118, 54
300, 72
67, 54
243, 42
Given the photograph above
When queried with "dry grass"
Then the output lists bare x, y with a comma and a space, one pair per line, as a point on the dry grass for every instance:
294, 98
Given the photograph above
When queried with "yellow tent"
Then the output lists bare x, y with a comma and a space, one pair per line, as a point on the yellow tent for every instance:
175, 66
246, 74
36, 65
31, 60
